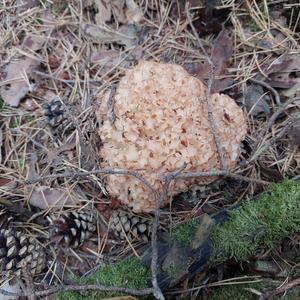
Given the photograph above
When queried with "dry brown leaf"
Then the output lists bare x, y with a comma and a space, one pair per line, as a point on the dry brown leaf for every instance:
199, 69
118, 11
17, 73
222, 51
280, 71
294, 133
125, 36
44, 197
53, 154
108, 59
104, 11
255, 100
1, 143
221, 55
20, 70
22, 6
133, 12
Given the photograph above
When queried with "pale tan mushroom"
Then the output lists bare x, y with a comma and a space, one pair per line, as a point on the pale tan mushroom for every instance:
162, 122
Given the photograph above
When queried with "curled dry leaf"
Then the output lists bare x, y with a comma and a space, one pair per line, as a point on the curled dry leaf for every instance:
294, 133
221, 55
20, 70
1, 142
123, 11
280, 71
23, 6
222, 51
255, 100
127, 35
44, 197
17, 73
133, 12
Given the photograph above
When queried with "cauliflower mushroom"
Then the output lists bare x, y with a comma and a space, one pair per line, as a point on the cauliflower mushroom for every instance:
161, 123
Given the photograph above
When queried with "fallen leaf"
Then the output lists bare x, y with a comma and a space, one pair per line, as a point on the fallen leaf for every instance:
18, 86
1, 143
127, 35
220, 56
44, 197
108, 59
118, 10
134, 13
199, 69
255, 100
10, 286
19, 72
104, 11
294, 133
23, 6
222, 51
293, 91
280, 71
53, 154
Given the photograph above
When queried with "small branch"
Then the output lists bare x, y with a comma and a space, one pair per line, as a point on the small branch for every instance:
157, 293
220, 173
208, 95
110, 105
267, 86
280, 290
95, 287
108, 171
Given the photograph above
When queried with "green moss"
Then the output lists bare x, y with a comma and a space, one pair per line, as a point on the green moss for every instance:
259, 224
184, 233
127, 273
251, 24
243, 291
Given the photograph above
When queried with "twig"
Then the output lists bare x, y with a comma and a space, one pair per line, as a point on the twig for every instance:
208, 95
282, 289
273, 119
66, 80
220, 173
95, 287
108, 171
167, 180
267, 86
110, 105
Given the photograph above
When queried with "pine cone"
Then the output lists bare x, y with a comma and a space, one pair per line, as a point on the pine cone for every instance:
71, 229
134, 227
19, 252
56, 116
5, 217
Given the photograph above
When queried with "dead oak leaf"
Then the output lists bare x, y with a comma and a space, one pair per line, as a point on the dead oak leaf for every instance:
18, 84
45, 197
294, 133
127, 35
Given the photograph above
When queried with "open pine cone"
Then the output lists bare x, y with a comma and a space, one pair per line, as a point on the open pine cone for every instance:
19, 253
71, 229
5, 217
134, 227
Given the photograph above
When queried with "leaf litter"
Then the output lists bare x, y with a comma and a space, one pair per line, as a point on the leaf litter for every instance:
76, 51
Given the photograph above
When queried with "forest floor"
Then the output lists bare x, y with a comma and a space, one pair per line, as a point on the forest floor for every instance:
58, 59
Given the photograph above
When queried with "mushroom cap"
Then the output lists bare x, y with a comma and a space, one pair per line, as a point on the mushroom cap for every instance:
161, 123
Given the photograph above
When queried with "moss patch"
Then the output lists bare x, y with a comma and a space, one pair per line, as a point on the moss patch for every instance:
128, 273
259, 224
243, 291
184, 233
